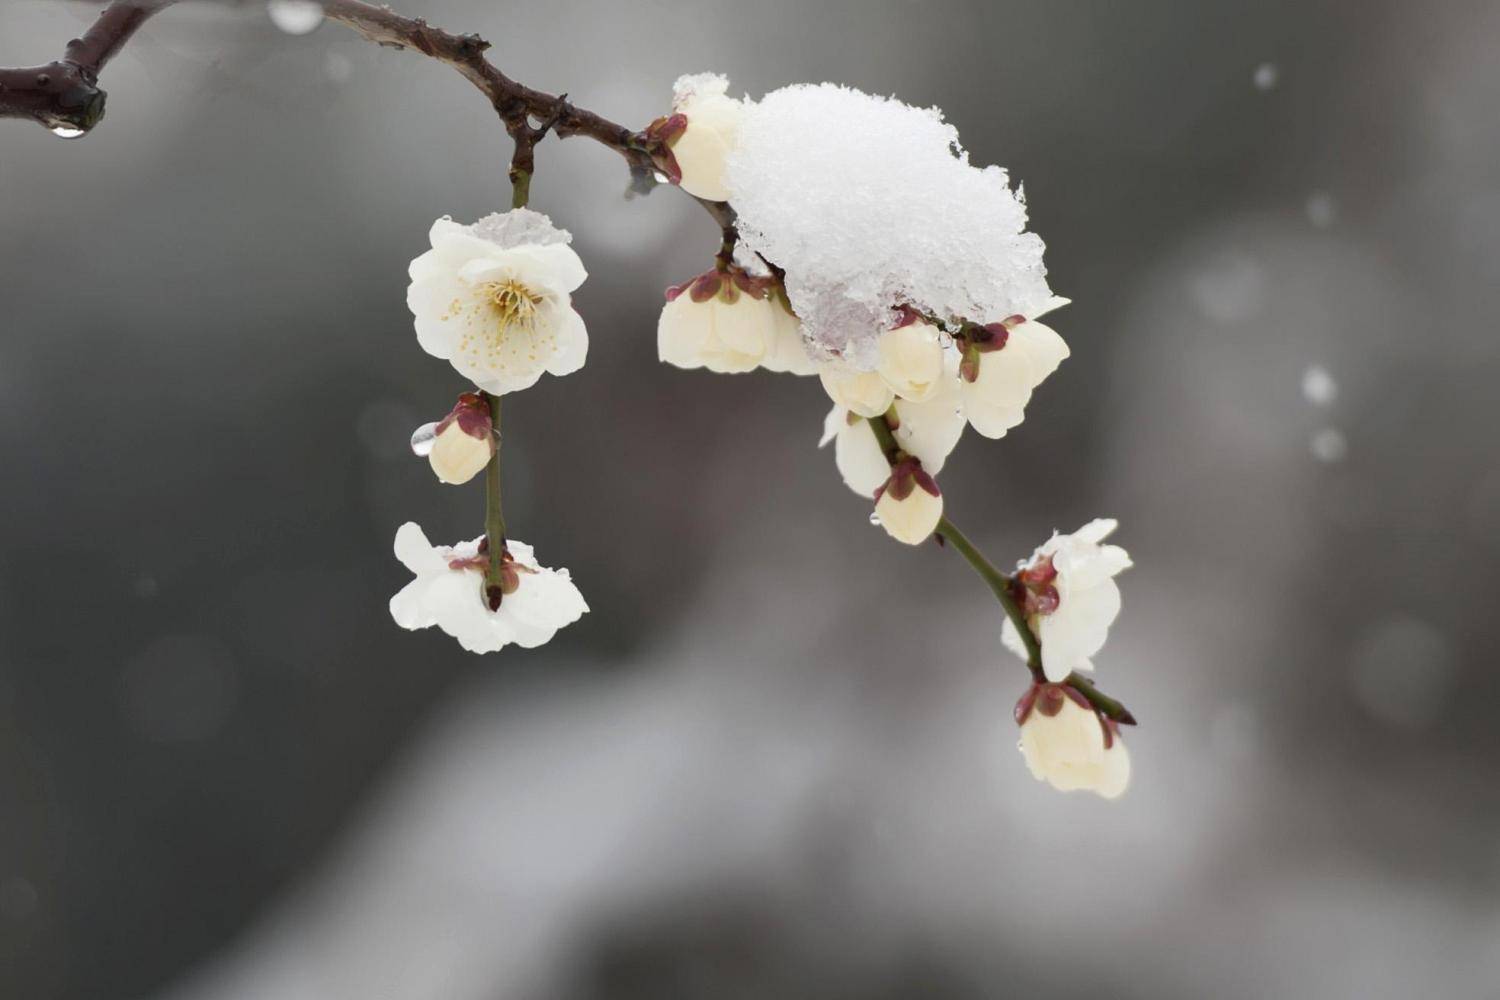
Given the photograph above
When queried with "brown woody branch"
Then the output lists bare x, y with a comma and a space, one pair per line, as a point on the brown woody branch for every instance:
66, 93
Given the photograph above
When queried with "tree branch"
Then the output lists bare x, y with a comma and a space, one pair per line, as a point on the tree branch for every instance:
65, 94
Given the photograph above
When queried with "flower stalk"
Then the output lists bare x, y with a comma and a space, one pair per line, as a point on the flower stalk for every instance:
494, 515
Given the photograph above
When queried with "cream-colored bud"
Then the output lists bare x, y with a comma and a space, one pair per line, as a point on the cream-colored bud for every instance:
1067, 751
728, 337
864, 393
996, 400
703, 147
458, 457
911, 360
911, 520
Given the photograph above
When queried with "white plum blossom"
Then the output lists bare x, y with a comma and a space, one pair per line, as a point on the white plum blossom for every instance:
1070, 597
912, 356
495, 299
449, 592
788, 352
1068, 745
1003, 363
725, 321
701, 132
865, 393
909, 504
463, 441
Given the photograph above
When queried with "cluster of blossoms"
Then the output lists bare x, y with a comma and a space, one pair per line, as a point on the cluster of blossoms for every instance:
906, 283
495, 300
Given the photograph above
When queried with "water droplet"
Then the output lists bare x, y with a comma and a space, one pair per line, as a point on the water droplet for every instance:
1328, 445
661, 178
1321, 209
422, 439
875, 519
295, 17
1318, 387
1266, 75
66, 131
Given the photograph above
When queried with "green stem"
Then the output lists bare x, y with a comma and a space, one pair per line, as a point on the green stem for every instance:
1000, 584
520, 187
494, 514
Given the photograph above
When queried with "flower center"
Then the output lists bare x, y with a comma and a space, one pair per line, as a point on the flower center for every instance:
514, 303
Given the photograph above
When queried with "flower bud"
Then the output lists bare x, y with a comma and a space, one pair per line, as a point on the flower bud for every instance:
909, 504
864, 393
722, 321
1002, 364
465, 441
1069, 745
700, 134
911, 359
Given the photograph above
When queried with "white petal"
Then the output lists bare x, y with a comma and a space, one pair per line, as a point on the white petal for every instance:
1010, 638
930, 430
996, 401
444, 309
1042, 345
1077, 630
836, 420
863, 392
682, 330
572, 345
861, 463
410, 608
912, 520
911, 360
555, 267
416, 552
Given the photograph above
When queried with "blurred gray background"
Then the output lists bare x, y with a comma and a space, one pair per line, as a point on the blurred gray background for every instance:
776, 760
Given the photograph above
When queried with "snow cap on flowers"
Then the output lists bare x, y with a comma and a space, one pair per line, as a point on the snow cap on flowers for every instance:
1067, 744
870, 204
495, 299
449, 592
1070, 597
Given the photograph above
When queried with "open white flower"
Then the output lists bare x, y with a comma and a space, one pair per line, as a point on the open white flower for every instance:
702, 131
495, 299
1071, 597
1003, 363
911, 359
723, 321
1068, 745
449, 593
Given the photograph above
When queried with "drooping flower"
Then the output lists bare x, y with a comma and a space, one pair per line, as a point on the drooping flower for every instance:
449, 592
1069, 745
495, 299
464, 441
909, 504
1070, 597
927, 431
1002, 364
700, 134
725, 321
